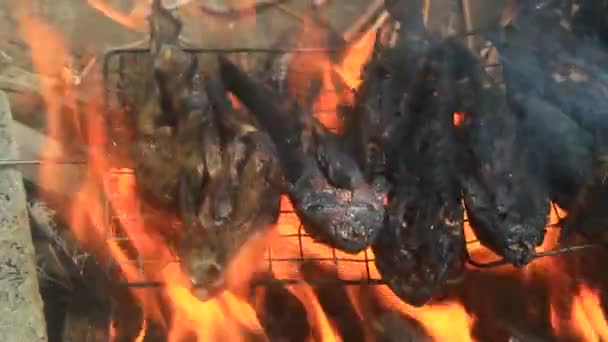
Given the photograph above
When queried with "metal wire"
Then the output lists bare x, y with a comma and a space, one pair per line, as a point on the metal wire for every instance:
120, 74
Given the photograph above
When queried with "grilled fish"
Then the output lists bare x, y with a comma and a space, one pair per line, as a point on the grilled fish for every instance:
240, 201
588, 214
377, 109
423, 243
506, 206
561, 151
345, 218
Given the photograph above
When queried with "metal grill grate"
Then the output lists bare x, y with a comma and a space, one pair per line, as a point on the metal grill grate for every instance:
293, 248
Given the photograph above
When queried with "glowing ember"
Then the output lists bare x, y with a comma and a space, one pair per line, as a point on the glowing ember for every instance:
458, 117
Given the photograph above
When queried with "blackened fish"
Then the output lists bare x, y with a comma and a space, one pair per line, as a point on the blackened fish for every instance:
377, 109
346, 218
588, 214
423, 241
507, 207
241, 201
542, 57
175, 134
560, 150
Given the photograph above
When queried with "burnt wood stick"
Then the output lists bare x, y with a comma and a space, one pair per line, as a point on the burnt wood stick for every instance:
540, 56
348, 219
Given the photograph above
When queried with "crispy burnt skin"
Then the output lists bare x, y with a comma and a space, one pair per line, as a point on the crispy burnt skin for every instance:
423, 243
345, 218
195, 130
588, 216
377, 109
545, 59
560, 150
506, 205
241, 201
176, 136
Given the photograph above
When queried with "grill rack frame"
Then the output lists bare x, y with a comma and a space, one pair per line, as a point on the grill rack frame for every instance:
302, 257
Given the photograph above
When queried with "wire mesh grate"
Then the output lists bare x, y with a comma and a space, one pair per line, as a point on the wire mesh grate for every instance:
292, 248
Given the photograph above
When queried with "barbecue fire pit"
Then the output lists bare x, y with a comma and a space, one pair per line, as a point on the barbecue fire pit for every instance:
426, 175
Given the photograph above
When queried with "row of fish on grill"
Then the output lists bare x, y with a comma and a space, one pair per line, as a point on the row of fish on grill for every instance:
403, 173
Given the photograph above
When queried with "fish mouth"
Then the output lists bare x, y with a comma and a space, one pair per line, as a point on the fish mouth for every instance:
520, 251
206, 291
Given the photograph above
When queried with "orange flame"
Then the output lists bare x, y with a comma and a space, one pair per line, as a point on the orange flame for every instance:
323, 329
588, 317
230, 315
356, 57
134, 20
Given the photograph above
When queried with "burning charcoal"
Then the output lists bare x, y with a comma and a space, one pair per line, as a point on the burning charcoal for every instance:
243, 199
346, 218
506, 205
423, 241
560, 149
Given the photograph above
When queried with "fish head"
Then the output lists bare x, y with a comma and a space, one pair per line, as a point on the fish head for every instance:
508, 220
520, 244
203, 261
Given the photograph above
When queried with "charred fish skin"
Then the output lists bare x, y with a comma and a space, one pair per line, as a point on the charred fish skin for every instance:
377, 110
588, 214
422, 243
565, 70
560, 150
177, 142
241, 201
506, 207
347, 219
206, 254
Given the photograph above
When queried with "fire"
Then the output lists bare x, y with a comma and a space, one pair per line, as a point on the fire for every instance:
231, 315
134, 20
458, 118
357, 55
588, 316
